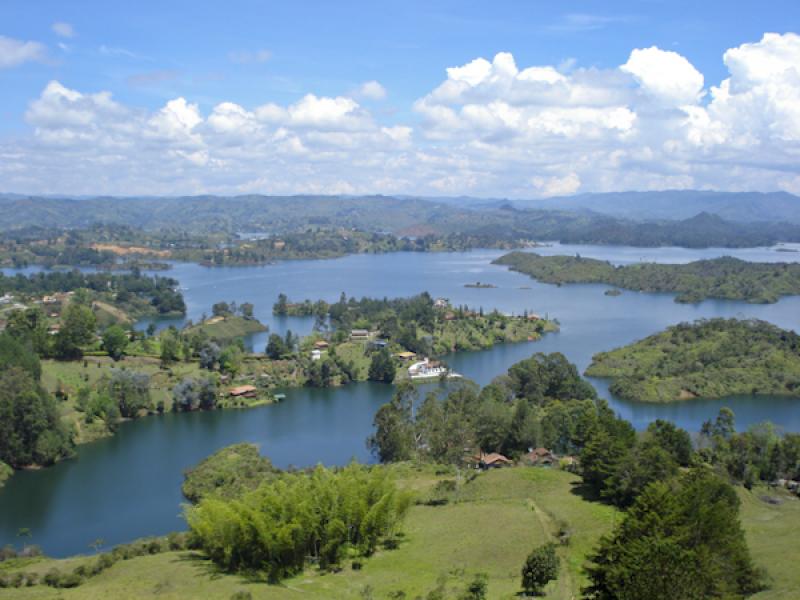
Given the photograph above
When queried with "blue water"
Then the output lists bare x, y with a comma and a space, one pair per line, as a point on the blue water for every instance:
128, 486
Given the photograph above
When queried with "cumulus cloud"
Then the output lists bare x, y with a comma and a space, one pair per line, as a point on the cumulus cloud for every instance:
15, 52
371, 90
491, 127
64, 30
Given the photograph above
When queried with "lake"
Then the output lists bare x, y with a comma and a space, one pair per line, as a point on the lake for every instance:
128, 486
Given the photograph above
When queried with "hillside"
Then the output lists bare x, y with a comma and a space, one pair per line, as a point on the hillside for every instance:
487, 224
228, 327
725, 277
709, 359
680, 204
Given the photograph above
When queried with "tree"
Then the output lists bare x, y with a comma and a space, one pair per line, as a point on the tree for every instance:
220, 309
31, 431
209, 355
393, 439
15, 354
115, 340
276, 347
194, 394
130, 391
539, 569
230, 360
382, 367
246, 309
680, 540
281, 306
77, 329
170, 347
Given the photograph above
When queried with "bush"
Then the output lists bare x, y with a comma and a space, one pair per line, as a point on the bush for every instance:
540, 568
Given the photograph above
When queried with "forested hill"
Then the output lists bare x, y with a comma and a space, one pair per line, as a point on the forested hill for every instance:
407, 217
725, 277
711, 359
680, 204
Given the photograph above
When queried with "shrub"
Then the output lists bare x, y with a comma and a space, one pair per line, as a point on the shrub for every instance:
540, 568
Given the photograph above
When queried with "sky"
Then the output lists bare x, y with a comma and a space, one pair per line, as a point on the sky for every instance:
521, 99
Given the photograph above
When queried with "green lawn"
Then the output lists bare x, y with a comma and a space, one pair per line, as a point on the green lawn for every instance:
772, 533
490, 526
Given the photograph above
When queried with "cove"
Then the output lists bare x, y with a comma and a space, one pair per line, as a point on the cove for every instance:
128, 486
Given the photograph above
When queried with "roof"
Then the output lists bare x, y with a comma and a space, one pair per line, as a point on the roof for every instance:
242, 389
359, 332
494, 457
406, 354
321, 344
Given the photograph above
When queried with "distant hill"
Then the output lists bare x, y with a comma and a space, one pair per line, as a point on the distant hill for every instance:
679, 204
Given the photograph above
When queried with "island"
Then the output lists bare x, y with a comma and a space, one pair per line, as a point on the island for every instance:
709, 359
726, 277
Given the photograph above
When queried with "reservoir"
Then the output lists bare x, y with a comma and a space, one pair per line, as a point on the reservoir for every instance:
128, 486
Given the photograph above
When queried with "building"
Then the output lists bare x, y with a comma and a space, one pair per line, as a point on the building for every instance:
429, 369
406, 355
321, 345
492, 460
541, 457
359, 334
243, 391
440, 303
316, 354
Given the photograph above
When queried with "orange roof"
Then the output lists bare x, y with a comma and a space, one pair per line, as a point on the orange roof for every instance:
494, 457
242, 389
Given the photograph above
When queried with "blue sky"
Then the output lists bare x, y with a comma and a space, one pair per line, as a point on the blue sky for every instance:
252, 54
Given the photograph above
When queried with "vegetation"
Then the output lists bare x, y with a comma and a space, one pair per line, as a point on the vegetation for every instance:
710, 359
725, 277
228, 473
31, 431
136, 294
540, 568
542, 403
322, 515
681, 539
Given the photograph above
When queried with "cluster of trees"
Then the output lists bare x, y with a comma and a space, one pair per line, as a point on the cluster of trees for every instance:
31, 431
725, 277
123, 394
682, 516
225, 309
680, 539
708, 358
134, 292
323, 516
758, 454
542, 401
194, 394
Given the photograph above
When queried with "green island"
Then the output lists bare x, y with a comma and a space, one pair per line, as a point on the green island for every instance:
727, 278
461, 508
69, 349
710, 359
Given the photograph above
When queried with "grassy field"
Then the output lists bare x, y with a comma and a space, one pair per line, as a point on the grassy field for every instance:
69, 377
228, 328
489, 526
773, 531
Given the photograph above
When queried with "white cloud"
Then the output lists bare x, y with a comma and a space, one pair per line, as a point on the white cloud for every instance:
15, 52
371, 90
64, 30
490, 128
666, 75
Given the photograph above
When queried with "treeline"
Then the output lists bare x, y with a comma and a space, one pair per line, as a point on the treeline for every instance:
322, 517
709, 358
681, 516
418, 323
726, 277
159, 293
